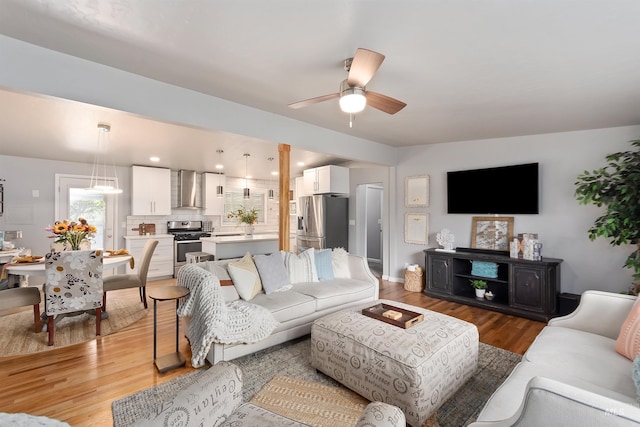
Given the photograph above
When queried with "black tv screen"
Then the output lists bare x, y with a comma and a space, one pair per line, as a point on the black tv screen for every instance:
501, 190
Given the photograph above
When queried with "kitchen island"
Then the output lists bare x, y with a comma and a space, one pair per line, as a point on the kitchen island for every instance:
225, 247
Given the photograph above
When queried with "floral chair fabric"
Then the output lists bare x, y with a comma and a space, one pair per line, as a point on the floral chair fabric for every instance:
74, 281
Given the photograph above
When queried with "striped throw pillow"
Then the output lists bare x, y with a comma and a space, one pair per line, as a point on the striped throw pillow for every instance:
301, 267
628, 342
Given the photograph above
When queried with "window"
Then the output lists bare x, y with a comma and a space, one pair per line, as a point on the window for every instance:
234, 199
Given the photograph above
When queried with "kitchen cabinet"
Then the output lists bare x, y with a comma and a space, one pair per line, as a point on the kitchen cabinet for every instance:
161, 265
522, 287
328, 179
226, 247
213, 205
151, 191
300, 190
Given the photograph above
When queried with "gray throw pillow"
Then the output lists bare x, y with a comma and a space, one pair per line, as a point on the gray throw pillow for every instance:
272, 272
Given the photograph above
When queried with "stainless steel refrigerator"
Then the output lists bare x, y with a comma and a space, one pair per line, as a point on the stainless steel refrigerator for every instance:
323, 222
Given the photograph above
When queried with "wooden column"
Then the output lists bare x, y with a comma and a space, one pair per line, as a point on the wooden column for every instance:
284, 151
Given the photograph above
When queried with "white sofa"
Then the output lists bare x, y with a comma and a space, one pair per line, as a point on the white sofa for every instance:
297, 308
571, 375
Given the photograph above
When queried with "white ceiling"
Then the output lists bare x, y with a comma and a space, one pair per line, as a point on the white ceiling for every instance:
467, 69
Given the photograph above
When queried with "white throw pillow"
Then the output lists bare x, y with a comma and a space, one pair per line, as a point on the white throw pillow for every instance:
340, 262
245, 277
301, 267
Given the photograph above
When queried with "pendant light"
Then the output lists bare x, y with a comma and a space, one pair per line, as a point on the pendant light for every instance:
101, 180
247, 194
271, 192
219, 166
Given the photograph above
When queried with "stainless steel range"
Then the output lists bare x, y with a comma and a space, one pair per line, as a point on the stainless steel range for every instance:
186, 237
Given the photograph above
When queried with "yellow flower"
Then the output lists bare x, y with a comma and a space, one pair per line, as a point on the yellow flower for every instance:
60, 228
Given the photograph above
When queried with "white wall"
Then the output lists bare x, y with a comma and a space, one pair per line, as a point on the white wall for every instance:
24, 211
562, 223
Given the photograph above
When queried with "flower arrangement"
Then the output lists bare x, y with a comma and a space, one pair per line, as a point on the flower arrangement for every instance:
72, 232
244, 215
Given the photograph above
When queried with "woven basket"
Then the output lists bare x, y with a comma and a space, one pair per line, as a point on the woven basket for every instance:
413, 280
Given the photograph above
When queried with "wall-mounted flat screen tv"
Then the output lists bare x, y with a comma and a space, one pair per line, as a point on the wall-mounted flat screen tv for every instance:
501, 190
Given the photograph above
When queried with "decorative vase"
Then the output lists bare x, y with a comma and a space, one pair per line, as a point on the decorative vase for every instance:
480, 293
248, 230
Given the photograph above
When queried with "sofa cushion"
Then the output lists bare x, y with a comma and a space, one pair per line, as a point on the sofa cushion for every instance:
336, 292
340, 263
245, 277
583, 355
324, 264
628, 342
273, 273
301, 267
286, 305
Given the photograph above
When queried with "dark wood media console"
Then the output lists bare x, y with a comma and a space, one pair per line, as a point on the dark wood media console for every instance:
523, 288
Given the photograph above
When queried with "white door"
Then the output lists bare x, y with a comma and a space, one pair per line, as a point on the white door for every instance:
73, 202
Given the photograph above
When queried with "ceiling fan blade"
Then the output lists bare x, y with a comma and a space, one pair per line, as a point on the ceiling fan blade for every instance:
312, 101
384, 103
364, 65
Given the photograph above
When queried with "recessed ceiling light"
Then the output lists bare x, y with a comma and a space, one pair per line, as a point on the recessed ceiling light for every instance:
154, 158
274, 173
300, 163
248, 177
219, 166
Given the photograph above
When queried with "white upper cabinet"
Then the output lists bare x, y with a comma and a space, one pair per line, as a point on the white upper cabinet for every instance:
213, 205
326, 179
151, 191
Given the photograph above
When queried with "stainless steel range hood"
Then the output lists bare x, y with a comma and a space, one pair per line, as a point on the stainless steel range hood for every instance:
187, 190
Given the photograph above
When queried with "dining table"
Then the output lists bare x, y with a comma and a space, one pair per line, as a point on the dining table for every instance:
37, 268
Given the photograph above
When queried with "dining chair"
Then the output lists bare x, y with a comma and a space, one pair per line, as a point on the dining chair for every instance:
20, 297
73, 285
134, 280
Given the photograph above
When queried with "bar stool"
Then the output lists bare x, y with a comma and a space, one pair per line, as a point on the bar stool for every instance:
193, 257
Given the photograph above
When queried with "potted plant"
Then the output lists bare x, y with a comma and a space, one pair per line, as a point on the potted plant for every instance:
615, 187
480, 287
245, 216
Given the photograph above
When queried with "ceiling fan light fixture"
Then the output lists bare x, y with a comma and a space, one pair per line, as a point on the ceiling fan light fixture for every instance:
352, 98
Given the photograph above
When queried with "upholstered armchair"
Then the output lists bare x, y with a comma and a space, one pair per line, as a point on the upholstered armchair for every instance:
134, 280
73, 285
215, 399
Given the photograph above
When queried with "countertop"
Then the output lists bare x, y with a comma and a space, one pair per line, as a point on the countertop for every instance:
238, 239
150, 236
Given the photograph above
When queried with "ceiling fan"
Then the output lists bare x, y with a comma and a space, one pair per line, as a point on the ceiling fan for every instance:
353, 94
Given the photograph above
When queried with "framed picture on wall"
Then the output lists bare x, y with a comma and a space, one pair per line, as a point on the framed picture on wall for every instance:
416, 191
491, 232
416, 228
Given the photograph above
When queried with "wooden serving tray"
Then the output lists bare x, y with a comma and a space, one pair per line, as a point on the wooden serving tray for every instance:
408, 319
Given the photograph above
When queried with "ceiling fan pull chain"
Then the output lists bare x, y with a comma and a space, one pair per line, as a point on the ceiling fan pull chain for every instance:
350, 120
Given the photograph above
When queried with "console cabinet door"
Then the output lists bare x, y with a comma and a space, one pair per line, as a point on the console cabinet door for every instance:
528, 288
439, 274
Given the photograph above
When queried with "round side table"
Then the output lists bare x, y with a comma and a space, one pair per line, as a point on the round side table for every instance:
167, 293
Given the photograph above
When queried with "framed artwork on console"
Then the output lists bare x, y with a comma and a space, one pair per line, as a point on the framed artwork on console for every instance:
491, 232
416, 228
416, 191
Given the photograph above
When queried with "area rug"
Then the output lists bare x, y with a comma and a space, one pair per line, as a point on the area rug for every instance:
311, 402
293, 360
18, 336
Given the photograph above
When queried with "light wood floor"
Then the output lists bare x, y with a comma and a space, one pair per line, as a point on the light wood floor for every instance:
77, 384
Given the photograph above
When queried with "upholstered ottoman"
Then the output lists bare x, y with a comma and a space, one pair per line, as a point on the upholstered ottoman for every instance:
416, 369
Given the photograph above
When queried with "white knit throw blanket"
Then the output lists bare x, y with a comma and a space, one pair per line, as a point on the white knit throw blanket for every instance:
213, 319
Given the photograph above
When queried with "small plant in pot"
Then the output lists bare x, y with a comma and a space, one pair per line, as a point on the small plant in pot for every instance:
480, 287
